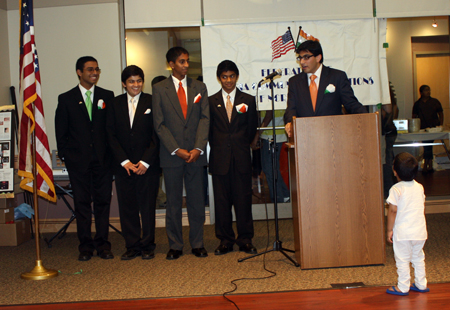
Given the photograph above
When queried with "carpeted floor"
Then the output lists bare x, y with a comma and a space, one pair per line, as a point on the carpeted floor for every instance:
98, 279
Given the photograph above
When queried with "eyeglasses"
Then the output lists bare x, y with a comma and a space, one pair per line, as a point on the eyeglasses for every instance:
90, 69
305, 57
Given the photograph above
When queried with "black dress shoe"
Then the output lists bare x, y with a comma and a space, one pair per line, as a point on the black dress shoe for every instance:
200, 252
85, 256
105, 254
173, 254
223, 249
148, 254
248, 248
130, 254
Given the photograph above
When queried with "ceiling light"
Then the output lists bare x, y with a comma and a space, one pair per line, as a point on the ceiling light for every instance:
434, 24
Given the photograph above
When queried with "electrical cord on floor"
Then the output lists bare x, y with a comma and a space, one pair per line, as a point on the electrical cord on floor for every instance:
273, 273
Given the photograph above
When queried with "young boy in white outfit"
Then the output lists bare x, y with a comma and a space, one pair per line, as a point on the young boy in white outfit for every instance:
406, 226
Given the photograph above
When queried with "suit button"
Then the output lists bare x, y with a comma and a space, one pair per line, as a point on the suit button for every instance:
90, 145
229, 145
185, 127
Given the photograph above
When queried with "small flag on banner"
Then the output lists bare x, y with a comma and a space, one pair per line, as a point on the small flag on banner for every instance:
30, 93
303, 36
282, 45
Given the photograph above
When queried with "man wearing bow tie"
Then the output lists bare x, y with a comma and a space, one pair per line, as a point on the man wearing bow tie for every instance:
80, 126
135, 147
232, 128
318, 90
181, 120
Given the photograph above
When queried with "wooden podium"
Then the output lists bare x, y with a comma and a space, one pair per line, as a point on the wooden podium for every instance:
336, 184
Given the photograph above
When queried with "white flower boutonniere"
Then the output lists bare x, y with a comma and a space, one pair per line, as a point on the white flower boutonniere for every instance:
330, 89
101, 104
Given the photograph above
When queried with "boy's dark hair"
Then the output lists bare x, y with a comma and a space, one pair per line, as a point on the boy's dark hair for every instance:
174, 53
406, 166
226, 65
82, 60
132, 71
313, 47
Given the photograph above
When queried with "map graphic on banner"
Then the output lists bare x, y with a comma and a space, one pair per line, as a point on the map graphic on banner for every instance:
354, 46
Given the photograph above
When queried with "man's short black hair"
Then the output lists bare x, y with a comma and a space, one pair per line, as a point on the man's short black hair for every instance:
422, 88
174, 53
132, 71
226, 65
313, 47
406, 166
82, 60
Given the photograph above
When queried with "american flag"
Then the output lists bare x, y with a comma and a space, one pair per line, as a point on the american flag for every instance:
282, 45
30, 93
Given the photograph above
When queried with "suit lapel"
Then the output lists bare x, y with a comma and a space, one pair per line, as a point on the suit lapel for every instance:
191, 93
220, 105
123, 109
97, 97
237, 100
304, 85
322, 86
140, 109
80, 101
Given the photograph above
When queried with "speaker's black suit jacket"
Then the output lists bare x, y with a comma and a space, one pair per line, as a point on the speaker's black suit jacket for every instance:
299, 99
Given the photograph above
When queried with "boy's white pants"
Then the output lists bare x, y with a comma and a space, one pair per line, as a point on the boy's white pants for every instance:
405, 252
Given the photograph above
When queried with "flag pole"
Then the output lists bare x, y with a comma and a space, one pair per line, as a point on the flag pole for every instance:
292, 38
298, 35
39, 272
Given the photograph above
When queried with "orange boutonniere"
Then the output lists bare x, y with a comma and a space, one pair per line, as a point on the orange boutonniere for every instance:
242, 108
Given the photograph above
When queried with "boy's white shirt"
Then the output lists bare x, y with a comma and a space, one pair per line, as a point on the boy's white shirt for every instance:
410, 223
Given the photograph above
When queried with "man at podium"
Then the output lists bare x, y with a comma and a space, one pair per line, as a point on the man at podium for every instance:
318, 90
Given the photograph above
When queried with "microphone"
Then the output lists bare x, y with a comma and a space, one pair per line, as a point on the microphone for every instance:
271, 76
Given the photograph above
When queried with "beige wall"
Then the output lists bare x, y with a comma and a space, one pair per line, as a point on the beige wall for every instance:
143, 47
400, 55
63, 34
5, 80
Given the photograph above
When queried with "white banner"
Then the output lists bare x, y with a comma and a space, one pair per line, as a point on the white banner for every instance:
354, 46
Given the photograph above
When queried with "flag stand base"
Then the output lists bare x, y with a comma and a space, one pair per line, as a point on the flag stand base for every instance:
39, 272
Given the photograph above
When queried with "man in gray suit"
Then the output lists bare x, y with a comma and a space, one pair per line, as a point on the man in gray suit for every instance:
181, 120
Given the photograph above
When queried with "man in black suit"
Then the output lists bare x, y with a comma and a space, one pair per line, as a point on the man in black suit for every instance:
80, 126
135, 147
332, 88
181, 120
233, 125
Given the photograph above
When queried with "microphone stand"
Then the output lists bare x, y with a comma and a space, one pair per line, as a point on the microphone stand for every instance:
277, 245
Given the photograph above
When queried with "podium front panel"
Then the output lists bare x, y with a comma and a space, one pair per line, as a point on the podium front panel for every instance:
337, 201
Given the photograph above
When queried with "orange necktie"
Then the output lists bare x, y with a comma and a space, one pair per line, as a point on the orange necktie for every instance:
182, 98
313, 91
